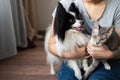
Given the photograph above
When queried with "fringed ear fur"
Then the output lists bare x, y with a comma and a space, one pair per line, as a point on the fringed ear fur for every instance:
110, 30
73, 8
59, 18
96, 26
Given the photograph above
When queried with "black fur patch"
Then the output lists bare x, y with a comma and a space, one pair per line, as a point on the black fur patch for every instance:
64, 20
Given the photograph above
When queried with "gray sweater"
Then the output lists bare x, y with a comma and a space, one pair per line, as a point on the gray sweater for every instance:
110, 15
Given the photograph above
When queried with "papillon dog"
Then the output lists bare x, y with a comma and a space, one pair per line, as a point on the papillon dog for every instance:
69, 34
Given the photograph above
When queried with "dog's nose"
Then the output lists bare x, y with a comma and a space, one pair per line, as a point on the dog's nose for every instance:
82, 22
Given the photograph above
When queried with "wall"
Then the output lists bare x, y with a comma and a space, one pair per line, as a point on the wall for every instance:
44, 10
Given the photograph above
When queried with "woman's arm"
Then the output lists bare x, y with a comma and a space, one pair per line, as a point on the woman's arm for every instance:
79, 52
101, 52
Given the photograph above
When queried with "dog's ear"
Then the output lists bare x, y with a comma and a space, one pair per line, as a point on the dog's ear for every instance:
74, 8
59, 18
60, 12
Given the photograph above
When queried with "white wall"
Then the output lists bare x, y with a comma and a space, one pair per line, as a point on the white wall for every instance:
44, 10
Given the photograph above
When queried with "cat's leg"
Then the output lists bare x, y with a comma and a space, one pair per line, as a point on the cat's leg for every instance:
73, 65
52, 70
91, 68
106, 65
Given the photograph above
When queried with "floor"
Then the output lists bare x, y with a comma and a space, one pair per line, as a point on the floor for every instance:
28, 64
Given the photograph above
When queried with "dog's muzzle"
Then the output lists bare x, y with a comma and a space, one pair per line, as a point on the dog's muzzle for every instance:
78, 28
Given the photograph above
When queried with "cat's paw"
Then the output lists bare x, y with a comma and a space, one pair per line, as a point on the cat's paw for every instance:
108, 67
78, 76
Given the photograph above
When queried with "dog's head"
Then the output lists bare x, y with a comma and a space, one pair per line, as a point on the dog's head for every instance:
67, 20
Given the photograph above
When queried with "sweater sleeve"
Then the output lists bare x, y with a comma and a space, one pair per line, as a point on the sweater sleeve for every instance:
117, 16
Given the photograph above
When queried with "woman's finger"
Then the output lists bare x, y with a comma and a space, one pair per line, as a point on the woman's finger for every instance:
95, 48
86, 57
89, 51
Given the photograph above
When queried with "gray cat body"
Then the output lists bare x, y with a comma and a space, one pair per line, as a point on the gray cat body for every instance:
100, 36
113, 41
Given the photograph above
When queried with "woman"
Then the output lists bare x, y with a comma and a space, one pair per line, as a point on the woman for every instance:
106, 13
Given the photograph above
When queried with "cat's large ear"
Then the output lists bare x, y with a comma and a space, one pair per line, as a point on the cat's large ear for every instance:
95, 30
110, 30
96, 26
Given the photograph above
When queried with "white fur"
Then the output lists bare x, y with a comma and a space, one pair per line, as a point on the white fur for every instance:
51, 59
77, 23
72, 39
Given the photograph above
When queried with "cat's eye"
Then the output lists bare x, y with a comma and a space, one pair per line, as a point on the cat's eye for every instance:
103, 38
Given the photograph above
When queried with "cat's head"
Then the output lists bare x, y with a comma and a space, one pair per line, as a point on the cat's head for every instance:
100, 34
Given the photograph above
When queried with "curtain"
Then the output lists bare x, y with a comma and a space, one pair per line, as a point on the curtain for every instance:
7, 33
30, 17
17, 25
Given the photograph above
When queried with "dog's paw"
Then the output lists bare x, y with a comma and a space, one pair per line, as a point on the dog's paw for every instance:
52, 72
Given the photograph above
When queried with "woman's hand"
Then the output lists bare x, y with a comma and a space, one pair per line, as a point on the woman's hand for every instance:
80, 52
99, 52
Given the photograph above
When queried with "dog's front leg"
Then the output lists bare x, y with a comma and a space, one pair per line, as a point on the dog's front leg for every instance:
73, 65
52, 70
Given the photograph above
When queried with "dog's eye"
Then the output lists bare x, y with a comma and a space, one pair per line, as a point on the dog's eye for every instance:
71, 20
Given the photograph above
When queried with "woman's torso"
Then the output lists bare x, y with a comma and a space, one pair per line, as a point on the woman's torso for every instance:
105, 20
